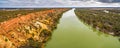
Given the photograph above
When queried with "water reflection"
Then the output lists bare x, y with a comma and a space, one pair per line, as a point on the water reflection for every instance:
119, 39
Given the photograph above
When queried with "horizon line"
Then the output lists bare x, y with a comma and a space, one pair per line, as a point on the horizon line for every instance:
57, 7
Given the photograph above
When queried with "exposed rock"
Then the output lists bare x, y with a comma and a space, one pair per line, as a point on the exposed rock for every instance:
29, 31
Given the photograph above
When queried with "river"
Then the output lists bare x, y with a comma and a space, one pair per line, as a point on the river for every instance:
73, 33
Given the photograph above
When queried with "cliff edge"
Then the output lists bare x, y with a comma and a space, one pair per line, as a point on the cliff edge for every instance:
31, 30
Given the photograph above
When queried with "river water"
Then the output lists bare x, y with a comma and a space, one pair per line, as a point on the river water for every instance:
73, 33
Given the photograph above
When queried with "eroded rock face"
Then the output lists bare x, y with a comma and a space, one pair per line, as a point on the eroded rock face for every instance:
29, 31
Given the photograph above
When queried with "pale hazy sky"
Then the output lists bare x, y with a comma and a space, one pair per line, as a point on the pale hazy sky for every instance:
60, 3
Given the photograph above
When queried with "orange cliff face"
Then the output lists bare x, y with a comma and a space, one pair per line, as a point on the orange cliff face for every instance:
30, 30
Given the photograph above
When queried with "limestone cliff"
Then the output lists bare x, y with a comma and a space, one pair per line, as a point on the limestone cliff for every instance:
29, 31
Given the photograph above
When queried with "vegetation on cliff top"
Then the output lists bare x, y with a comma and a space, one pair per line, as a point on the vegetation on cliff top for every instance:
6, 14
105, 20
30, 30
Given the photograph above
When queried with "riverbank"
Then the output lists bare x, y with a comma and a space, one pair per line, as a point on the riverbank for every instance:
73, 33
105, 20
31, 30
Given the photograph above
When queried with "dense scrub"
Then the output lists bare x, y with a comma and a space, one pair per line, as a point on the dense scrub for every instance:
6, 14
105, 20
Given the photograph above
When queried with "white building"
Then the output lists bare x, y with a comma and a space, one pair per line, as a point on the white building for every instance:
105, 11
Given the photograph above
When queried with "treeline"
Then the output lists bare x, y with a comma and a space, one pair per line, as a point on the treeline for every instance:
108, 22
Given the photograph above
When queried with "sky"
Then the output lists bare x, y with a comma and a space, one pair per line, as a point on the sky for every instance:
59, 3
